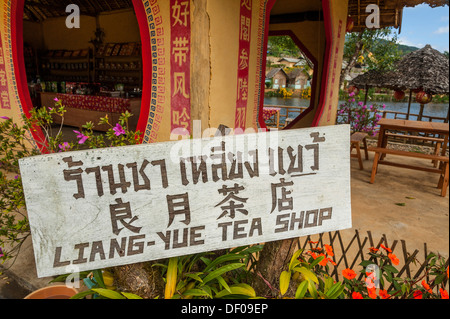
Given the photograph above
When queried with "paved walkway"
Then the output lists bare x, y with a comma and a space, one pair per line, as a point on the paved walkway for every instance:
423, 217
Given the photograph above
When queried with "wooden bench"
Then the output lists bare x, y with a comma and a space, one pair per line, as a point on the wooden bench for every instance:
443, 171
355, 140
437, 140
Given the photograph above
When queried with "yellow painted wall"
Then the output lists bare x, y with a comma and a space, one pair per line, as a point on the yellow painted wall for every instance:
58, 37
120, 26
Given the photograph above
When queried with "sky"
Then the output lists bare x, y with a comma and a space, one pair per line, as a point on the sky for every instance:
424, 25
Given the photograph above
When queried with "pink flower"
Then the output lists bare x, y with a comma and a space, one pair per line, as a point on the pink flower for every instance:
352, 94
56, 99
65, 146
118, 130
4, 117
81, 136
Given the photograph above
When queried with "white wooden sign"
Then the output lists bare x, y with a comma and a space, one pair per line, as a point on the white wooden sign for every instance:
109, 207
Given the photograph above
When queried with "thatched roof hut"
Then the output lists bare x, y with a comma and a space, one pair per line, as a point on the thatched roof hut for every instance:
425, 69
372, 78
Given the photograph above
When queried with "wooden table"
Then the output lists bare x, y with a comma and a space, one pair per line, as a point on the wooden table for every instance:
417, 127
413, 126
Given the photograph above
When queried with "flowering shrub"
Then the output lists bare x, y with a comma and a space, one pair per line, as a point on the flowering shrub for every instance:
378, 274
362, 118
306, 93
16, 143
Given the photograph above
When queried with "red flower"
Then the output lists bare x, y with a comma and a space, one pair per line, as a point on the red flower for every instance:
357, 295
372, 293
349, 274
384, 294
329, 250
426, 286
394, 259
324, 260
417, 294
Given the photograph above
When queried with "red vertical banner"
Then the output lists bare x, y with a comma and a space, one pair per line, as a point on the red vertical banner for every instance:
4, 94
180, 62
245, 23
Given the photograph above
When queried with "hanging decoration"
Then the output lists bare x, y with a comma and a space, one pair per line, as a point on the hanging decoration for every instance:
423, 97
399, 95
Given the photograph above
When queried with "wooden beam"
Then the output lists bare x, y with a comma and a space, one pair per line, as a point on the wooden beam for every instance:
296, 17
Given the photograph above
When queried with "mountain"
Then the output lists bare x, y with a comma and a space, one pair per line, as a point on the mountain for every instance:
405, 49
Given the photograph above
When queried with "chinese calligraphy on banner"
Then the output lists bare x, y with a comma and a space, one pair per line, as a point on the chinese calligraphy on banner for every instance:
180, 63
4, 92
245, 23
117, 206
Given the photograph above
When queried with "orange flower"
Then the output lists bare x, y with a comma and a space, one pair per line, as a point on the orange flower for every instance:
349, 274
394, 259
385, 248
329, 250
313, 242
417, 294
444, 293
426, 286
324, 260
357, 295
447, 272
373, 249
384, 294
372, 293
332, 262
313, 255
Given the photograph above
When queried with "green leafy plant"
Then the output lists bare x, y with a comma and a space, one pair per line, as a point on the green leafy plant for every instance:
16, 142
210, 275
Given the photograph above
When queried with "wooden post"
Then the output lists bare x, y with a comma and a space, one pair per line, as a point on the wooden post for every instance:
422, 106
409, 104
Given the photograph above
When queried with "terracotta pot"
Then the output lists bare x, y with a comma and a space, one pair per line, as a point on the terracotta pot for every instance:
53, 292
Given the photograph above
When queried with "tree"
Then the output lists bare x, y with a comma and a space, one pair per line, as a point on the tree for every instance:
376, 48
282, 45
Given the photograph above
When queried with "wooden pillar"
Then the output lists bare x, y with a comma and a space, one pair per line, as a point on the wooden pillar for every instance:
200, 65
409, 104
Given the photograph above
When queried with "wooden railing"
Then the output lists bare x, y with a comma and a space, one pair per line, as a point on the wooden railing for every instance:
286, 115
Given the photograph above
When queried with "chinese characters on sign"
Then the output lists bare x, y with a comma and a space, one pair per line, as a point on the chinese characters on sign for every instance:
117, 206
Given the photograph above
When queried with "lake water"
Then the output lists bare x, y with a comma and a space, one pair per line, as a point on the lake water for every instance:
431, 109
